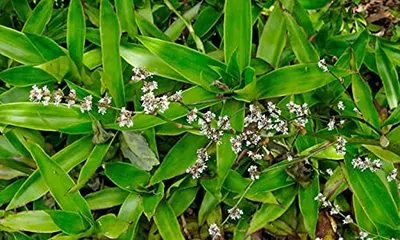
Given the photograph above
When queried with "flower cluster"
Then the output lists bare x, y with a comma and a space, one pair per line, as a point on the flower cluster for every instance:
214, 231
254, 173
235, 213
334, 209
392, 175
322, 65
366, 163
212, 132
254, 123
140, 74
341, 145
301, 112
341, 105
200, 165
44, 96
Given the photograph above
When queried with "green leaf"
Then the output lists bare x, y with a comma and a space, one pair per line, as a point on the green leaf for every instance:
179, 158
152, 200
92, 163
383, 154
126, 17
69, 222
22, 9
46, 118
288, 80
238, 23
135, 147
148, 28
110, 36
35, 187
194, 66
309, 207
50, 171
225, 155
39, 18
31, 221
106, 198
363, 99
8, 192
57, 67
110, 226
313, 4
166, 222
270, 180
131, 211
92, 59
273, 38
17, 46
208, 204
359, 47
394, 118
374, 197
126, 176
175, 29
389, 76
362, 218
302, 48
139, 56
207, 18
76, 32
181, 200
22, 76
269, 212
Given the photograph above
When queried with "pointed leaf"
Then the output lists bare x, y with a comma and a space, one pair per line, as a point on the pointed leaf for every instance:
110, 36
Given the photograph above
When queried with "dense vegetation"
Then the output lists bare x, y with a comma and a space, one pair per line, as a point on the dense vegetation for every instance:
235, 119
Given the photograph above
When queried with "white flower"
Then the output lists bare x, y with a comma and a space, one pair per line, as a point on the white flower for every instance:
392, 175
289, 156
86, 105
236, 144
103, 104
176, 97
149, 103
140, 74
347, 220
341, 105
125, 118
36, 94
202, 154
192, 115
214, 231
223, 123
366, 163
329, 171
58, 96
46, 95
355, 109
363, 235
162, 103
149, 86
301, 112
197, 168
322, 65
320, 197
71, 98
254, 173
208, 116
255, 155
331, 124
334, 210
235, 213
341, 145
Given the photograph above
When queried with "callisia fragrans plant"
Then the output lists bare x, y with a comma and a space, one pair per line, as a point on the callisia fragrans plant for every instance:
174, 120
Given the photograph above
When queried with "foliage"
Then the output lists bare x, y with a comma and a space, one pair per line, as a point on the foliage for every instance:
239, 120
